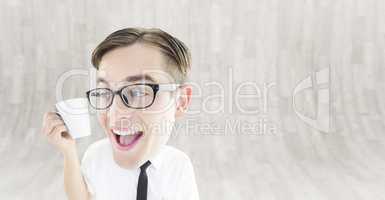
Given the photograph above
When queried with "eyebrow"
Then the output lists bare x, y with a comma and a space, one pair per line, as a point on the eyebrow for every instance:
134, 78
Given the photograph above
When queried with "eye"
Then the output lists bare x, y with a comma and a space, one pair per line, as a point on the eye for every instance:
138, 93
100, 94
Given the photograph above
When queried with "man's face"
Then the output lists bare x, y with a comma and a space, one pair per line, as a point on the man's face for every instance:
147, 128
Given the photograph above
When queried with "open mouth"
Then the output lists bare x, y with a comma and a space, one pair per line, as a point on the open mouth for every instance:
124, 141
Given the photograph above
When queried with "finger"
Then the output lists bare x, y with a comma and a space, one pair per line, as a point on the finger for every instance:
66, 135
57, 130
55, 123
46, 126
49, 116
62, 129
58, 114
54, 130
55, 115
45, 118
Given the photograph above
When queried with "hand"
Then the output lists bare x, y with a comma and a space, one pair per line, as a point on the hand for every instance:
55, 131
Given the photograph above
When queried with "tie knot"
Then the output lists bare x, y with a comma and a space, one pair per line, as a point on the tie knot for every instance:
145, 165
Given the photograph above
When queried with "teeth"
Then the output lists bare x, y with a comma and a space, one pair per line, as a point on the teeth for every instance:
124, 132
128, 129
121, 132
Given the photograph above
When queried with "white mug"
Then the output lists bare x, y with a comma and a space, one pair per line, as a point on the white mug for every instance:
75, 115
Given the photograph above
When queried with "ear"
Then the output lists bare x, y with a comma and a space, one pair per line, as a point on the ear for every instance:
183, 100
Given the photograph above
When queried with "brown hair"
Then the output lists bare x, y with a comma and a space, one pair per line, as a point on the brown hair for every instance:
173, 49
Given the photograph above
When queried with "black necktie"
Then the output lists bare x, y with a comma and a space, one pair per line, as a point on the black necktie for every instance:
141, 192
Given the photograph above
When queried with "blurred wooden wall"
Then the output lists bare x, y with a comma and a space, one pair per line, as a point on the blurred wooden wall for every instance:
337, 46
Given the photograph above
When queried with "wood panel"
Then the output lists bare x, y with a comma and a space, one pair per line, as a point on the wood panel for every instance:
274, 42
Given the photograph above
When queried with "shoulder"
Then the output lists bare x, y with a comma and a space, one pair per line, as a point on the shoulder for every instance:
175, 157
175, 154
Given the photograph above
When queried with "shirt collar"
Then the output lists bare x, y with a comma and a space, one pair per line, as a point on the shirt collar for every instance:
156, 159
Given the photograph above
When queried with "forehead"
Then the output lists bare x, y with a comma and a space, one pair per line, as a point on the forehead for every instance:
133, 63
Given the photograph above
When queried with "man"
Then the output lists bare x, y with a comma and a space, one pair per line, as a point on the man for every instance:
141, 89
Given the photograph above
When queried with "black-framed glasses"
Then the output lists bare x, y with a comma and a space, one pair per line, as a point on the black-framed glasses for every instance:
137, 96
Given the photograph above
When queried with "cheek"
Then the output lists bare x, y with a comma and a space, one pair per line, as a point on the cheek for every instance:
159, 124
102, 118
163, 105
159, 127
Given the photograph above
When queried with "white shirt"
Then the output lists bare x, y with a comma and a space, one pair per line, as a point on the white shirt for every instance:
170, 175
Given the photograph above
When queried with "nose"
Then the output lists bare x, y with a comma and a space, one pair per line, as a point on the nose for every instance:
118, 109
119, 115
118, 103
